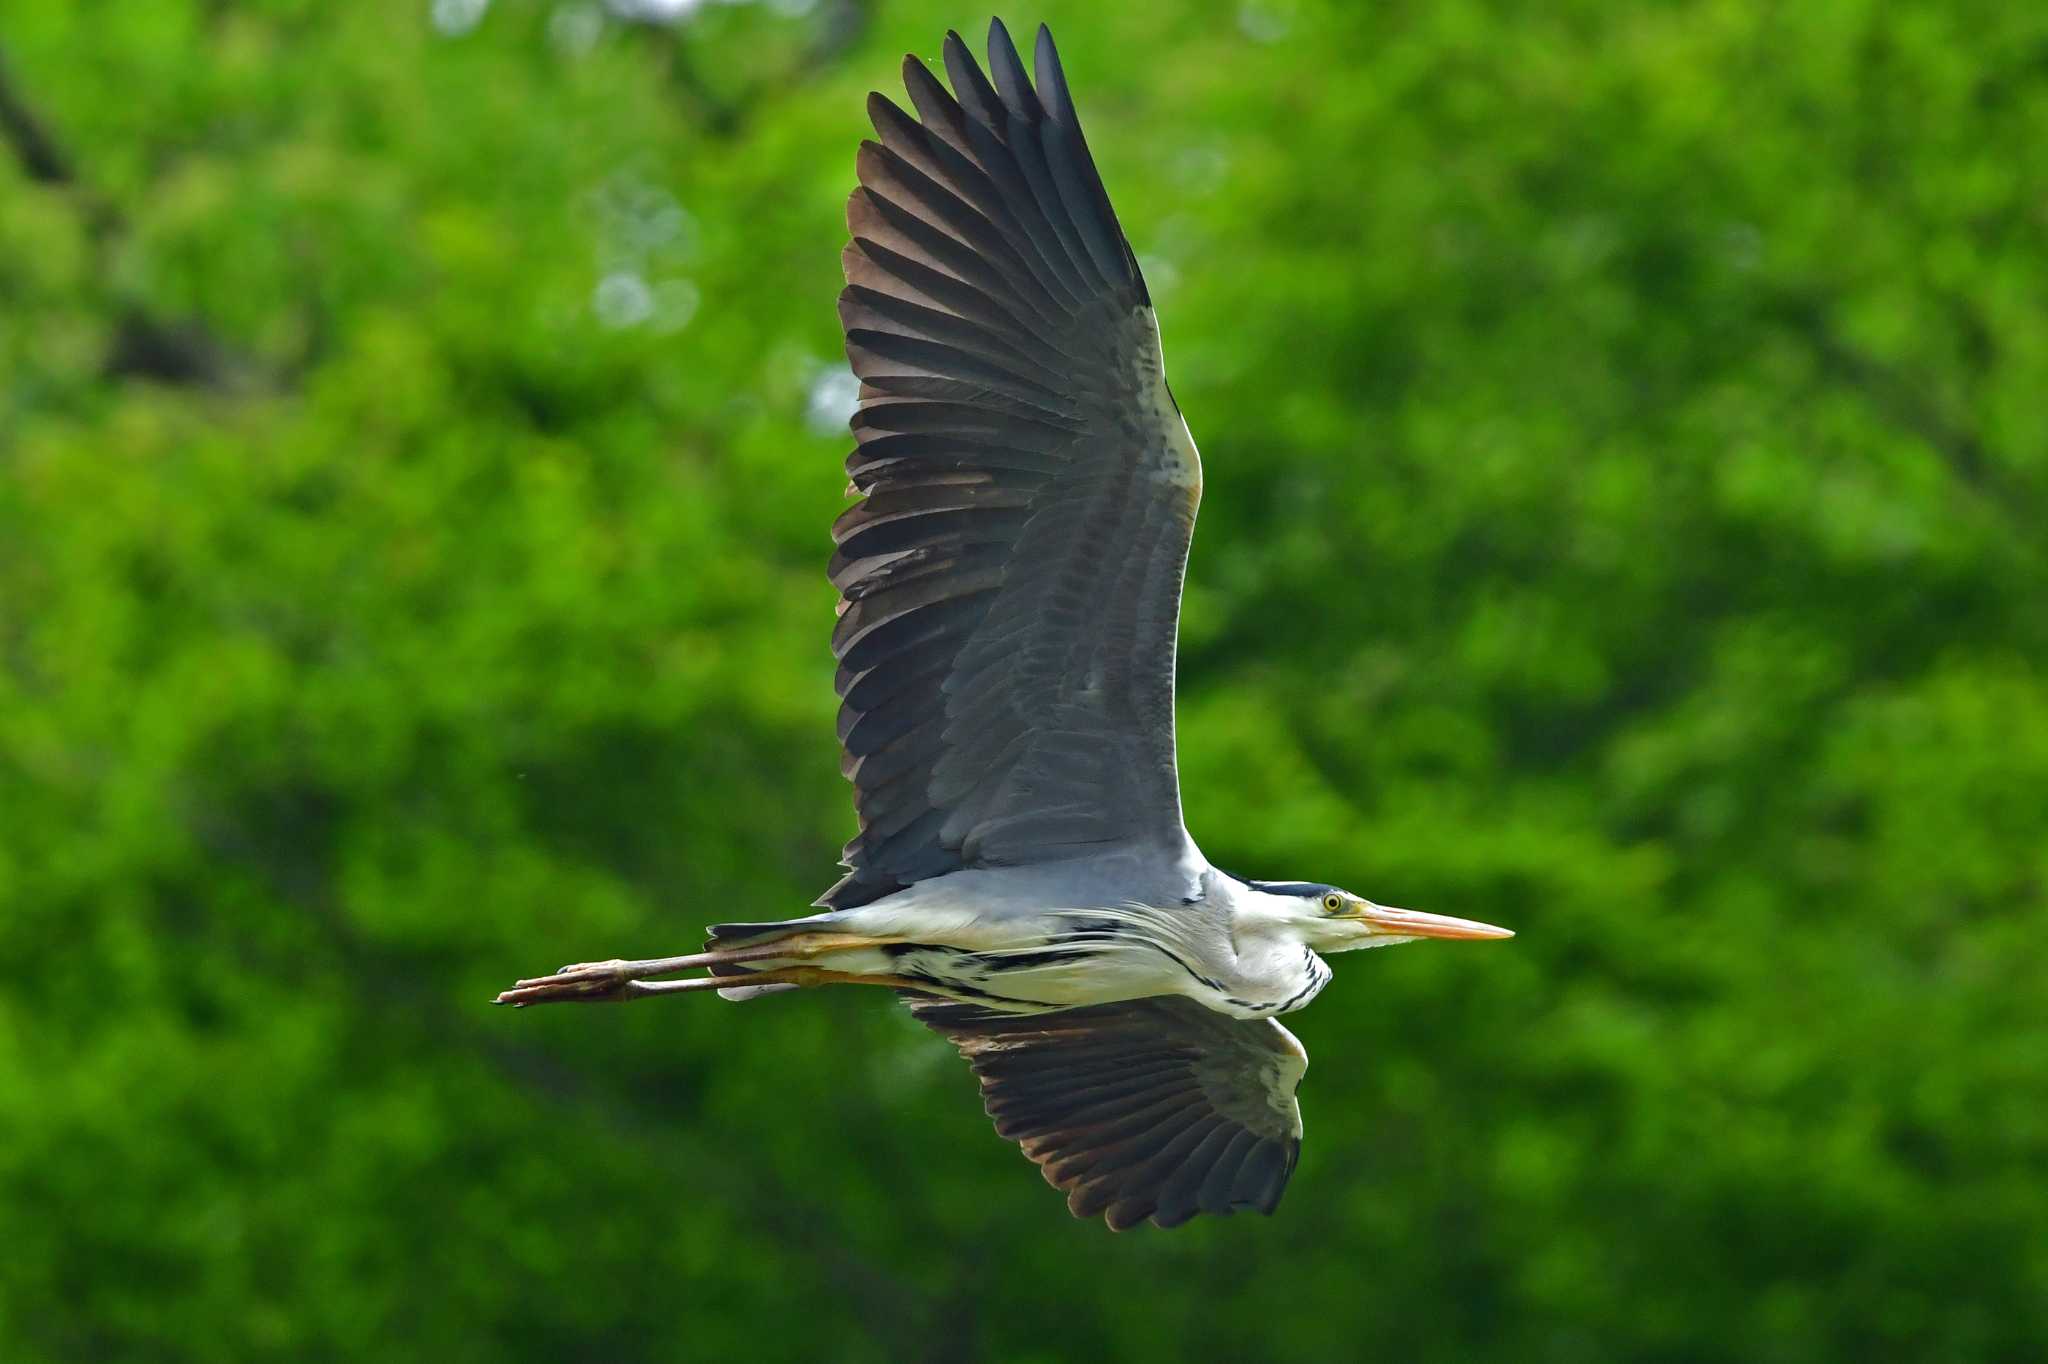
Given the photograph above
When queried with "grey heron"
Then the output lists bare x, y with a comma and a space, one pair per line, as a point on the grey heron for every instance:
1010, 584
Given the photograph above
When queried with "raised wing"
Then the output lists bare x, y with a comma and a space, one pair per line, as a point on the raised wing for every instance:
1011, 581
1153, 1108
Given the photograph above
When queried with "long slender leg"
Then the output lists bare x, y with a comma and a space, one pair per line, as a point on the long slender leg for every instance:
613, 981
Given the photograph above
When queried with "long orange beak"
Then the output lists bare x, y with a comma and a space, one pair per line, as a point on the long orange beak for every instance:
1384, 920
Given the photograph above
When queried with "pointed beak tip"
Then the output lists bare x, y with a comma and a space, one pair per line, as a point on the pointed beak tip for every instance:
1478, 932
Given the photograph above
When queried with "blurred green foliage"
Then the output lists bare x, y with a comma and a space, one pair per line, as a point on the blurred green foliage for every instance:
1627, 461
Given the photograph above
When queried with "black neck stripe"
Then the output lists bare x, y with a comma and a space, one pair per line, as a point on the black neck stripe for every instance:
1307, 890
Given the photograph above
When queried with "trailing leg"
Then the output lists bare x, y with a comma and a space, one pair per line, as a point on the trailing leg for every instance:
607, 982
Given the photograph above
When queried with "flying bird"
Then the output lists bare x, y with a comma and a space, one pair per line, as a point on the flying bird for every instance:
1010, 585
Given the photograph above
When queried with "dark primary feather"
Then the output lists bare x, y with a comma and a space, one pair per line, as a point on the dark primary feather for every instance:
1154, 1108
1010, 581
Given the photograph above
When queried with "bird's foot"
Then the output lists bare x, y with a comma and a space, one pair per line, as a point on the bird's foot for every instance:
591, 982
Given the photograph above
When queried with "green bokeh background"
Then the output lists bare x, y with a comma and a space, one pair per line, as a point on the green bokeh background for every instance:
1627, 461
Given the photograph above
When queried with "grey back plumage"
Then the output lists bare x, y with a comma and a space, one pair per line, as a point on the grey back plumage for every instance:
1011, 580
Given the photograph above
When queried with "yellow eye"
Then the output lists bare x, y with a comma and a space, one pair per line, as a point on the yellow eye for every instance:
1333, 902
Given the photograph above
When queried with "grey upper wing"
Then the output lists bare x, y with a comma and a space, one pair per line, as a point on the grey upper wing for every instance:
1153, 1108
1011, 580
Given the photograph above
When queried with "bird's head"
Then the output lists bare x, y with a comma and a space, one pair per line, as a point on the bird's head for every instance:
1333, 920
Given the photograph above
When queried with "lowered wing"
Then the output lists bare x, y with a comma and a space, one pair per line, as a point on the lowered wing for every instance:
1153, 1108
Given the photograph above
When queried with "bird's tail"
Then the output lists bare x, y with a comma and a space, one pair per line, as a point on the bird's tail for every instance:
725, 937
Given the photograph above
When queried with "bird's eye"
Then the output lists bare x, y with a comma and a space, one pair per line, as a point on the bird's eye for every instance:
1333, 902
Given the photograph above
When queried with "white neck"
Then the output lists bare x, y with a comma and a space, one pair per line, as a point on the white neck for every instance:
1277, 967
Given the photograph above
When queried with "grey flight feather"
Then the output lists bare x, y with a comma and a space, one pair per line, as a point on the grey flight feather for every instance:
1155, 1108
1010, 581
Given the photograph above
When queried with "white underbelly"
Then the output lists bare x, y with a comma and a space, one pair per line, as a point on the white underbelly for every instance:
979, 937
1057, 976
